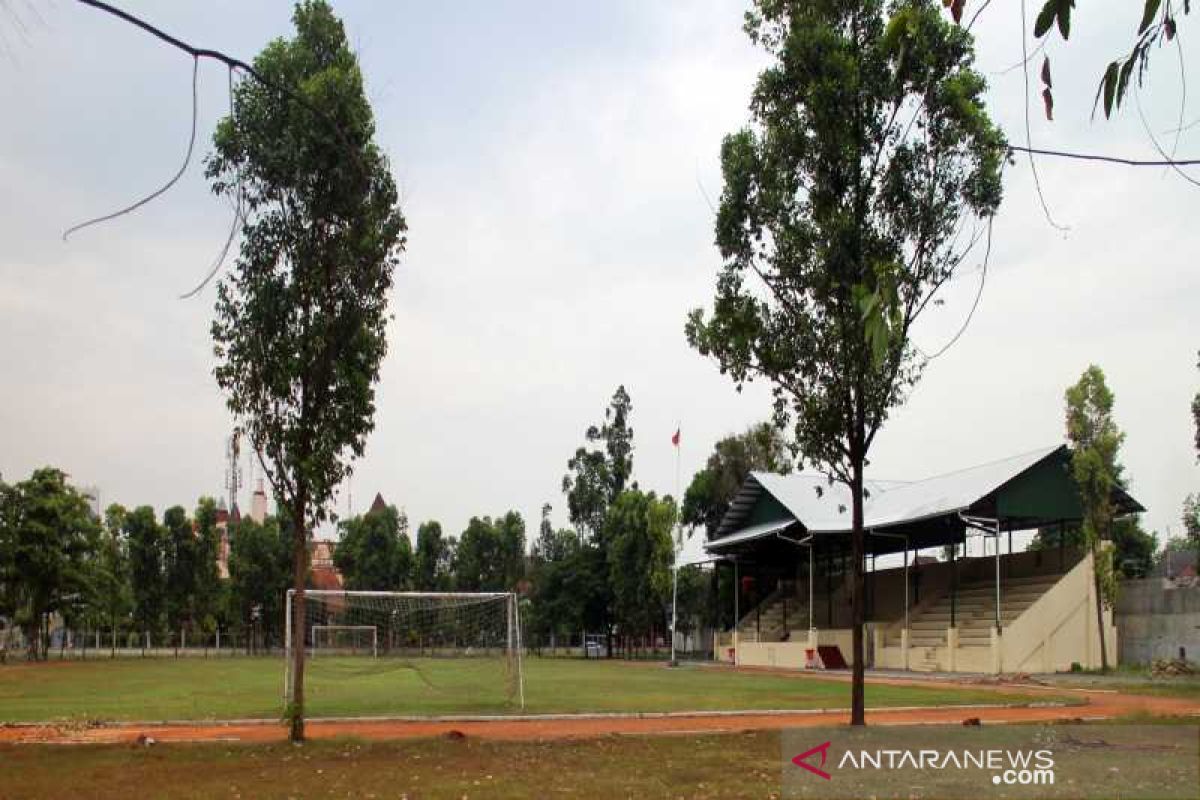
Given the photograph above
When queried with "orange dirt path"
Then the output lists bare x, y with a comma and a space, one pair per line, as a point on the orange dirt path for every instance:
1098, 705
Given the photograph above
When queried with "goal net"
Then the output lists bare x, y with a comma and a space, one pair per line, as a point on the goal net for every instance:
344, 639
400, 653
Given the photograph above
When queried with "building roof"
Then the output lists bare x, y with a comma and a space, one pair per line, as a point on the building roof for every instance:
378, 505
1023, 491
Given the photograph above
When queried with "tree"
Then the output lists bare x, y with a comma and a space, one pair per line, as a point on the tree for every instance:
490, 555
145, 539
258, 573
761, 447
1095, 440
10, 599
1133, 547
596, 476
433, 568
179, 568
551, 544
846, 206
48, 538
114, 594
207, 601
300, 325
374, 553
638, 529
1191, 504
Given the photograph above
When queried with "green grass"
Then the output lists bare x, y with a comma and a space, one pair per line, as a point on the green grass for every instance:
196, 689
1132, 680
740, 765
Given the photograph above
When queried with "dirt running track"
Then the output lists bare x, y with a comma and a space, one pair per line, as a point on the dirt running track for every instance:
1098, 705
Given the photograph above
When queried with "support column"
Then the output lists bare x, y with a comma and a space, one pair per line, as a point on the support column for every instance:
953, 585
737, 591
904, 631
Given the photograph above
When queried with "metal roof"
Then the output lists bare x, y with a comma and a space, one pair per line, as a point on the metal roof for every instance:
820, 507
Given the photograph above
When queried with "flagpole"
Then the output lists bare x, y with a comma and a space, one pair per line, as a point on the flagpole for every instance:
675, 549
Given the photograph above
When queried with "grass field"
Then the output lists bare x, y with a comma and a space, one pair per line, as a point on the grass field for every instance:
693, 766
197, 689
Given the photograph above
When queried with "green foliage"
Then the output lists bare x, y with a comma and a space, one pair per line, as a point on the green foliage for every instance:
491, 554
114, 596
597, 475
844, 212
144, 539
1133, 547
1158, 24
1191, 520
638, 530
300, 328
374, 553
1095, 441
258, 572
48, 539
433, 568
180, 562
760, 448
207, 600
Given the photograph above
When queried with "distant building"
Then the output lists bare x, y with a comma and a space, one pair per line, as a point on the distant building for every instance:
222, 540
258, 503
324, 574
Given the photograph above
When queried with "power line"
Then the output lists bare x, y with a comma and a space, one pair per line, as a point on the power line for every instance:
1129, 162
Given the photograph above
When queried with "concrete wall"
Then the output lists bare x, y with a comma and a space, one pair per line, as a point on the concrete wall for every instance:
793, 654
1060, 628
1155, 619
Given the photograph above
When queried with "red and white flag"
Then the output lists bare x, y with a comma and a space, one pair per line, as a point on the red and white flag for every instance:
675, 438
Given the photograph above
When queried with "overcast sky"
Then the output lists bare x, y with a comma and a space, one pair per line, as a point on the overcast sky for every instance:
557, 162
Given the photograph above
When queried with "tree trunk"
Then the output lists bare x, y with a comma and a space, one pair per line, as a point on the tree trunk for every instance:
299, 578
1096, 553
858, 681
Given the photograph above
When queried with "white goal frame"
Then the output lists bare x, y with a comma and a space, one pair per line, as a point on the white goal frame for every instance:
374, 629
512, 624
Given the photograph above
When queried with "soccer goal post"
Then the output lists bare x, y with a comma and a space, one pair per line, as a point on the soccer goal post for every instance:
458, 648
335, 639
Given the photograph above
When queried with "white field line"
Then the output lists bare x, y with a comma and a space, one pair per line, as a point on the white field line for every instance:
762, 712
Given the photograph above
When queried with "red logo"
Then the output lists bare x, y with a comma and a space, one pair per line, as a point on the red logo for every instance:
823, 749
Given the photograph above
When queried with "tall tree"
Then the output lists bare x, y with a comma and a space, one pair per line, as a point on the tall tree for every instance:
259, 556
374, 553
115, 597
638, 529
601, 469
490, 555
208, 580
301, 319
761, 447
1191, 504
433, 567
48, 537
179, 568
1096, 440
145, 539
848, 203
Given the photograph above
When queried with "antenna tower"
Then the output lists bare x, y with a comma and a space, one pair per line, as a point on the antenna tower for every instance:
233, 469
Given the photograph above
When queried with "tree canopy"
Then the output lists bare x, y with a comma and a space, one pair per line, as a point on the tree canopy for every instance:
761, 447
374, 552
